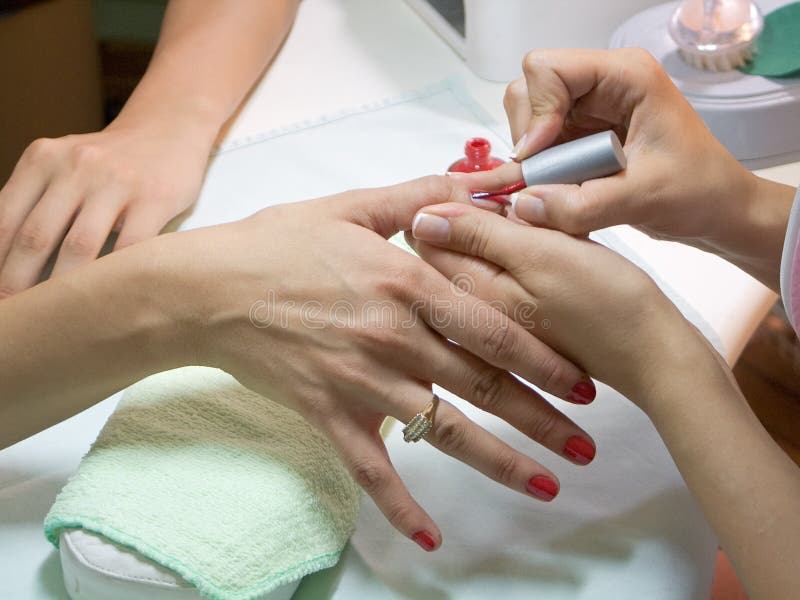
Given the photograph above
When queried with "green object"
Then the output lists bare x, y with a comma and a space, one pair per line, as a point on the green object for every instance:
234, 492
778, 46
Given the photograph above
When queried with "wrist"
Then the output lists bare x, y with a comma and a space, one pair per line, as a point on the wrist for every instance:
669, 348
166, 318
192, 118
751, 228
685, 371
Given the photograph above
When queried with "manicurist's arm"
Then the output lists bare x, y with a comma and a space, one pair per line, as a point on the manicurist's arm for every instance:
147, 166
608, 316
746, 484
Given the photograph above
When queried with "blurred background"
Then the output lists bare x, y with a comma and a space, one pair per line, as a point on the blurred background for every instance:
68, 66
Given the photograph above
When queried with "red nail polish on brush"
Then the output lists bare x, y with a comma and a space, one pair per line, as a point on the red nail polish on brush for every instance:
579, 449
424, 540
477, 157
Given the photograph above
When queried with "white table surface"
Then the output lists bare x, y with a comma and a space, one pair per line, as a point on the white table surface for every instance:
340, 53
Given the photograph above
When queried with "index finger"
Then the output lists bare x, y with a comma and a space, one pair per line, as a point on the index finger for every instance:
490, 181
391, 209
557, 79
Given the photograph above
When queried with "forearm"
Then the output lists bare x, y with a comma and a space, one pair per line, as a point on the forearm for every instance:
72, 341
208, 56
748, 488
751, 234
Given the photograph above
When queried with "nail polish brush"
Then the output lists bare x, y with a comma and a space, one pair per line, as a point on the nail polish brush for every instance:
591, 157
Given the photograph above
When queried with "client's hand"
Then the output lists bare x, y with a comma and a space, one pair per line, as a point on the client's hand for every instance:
310, 305
680, 183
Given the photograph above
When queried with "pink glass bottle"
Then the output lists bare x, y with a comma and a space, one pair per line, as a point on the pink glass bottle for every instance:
477, 157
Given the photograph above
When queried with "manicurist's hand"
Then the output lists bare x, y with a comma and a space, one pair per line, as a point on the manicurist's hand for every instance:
609, 316
680, 183
148, 165
132, 176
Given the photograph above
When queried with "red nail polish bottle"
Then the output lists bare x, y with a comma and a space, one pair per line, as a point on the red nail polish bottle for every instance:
477, 157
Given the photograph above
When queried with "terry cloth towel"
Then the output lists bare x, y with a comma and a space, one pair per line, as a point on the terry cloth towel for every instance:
234, 492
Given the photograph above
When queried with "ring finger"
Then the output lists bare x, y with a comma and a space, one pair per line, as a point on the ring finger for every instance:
457, 436
498, 392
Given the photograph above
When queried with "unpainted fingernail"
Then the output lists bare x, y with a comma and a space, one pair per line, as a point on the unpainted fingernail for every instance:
583, 392
518, 148
431, 228
542, 487
425, 541
528, 208
493, 204
580, 450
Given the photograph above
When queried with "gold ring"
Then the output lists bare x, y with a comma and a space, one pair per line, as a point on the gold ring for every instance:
421, 423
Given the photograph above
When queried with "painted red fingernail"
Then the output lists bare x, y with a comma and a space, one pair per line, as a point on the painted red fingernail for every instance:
542, 487
424, 540
583, 392
580, 450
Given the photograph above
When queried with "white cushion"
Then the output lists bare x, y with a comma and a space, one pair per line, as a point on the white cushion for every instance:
95, 568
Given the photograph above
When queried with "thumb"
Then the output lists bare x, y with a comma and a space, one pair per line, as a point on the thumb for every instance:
576, 209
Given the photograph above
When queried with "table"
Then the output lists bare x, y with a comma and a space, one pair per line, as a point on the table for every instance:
340, 53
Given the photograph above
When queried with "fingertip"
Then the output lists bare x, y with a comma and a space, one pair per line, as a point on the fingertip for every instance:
580, 450
543, 487
426, 540
583, 392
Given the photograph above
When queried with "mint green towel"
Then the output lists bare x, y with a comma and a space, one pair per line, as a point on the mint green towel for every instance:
232, 491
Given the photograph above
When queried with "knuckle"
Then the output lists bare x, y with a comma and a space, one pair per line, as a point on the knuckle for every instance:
436, 186
378, 336
401, 283
451, 435
516, 91
80, 243
505, 467
643, 58
543, 425
642, 66
552, 372
40, 150
398, 513
487, 389
476, 239
32, 239
85, 155
580, 209
532, 61
500, 343
369, 475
